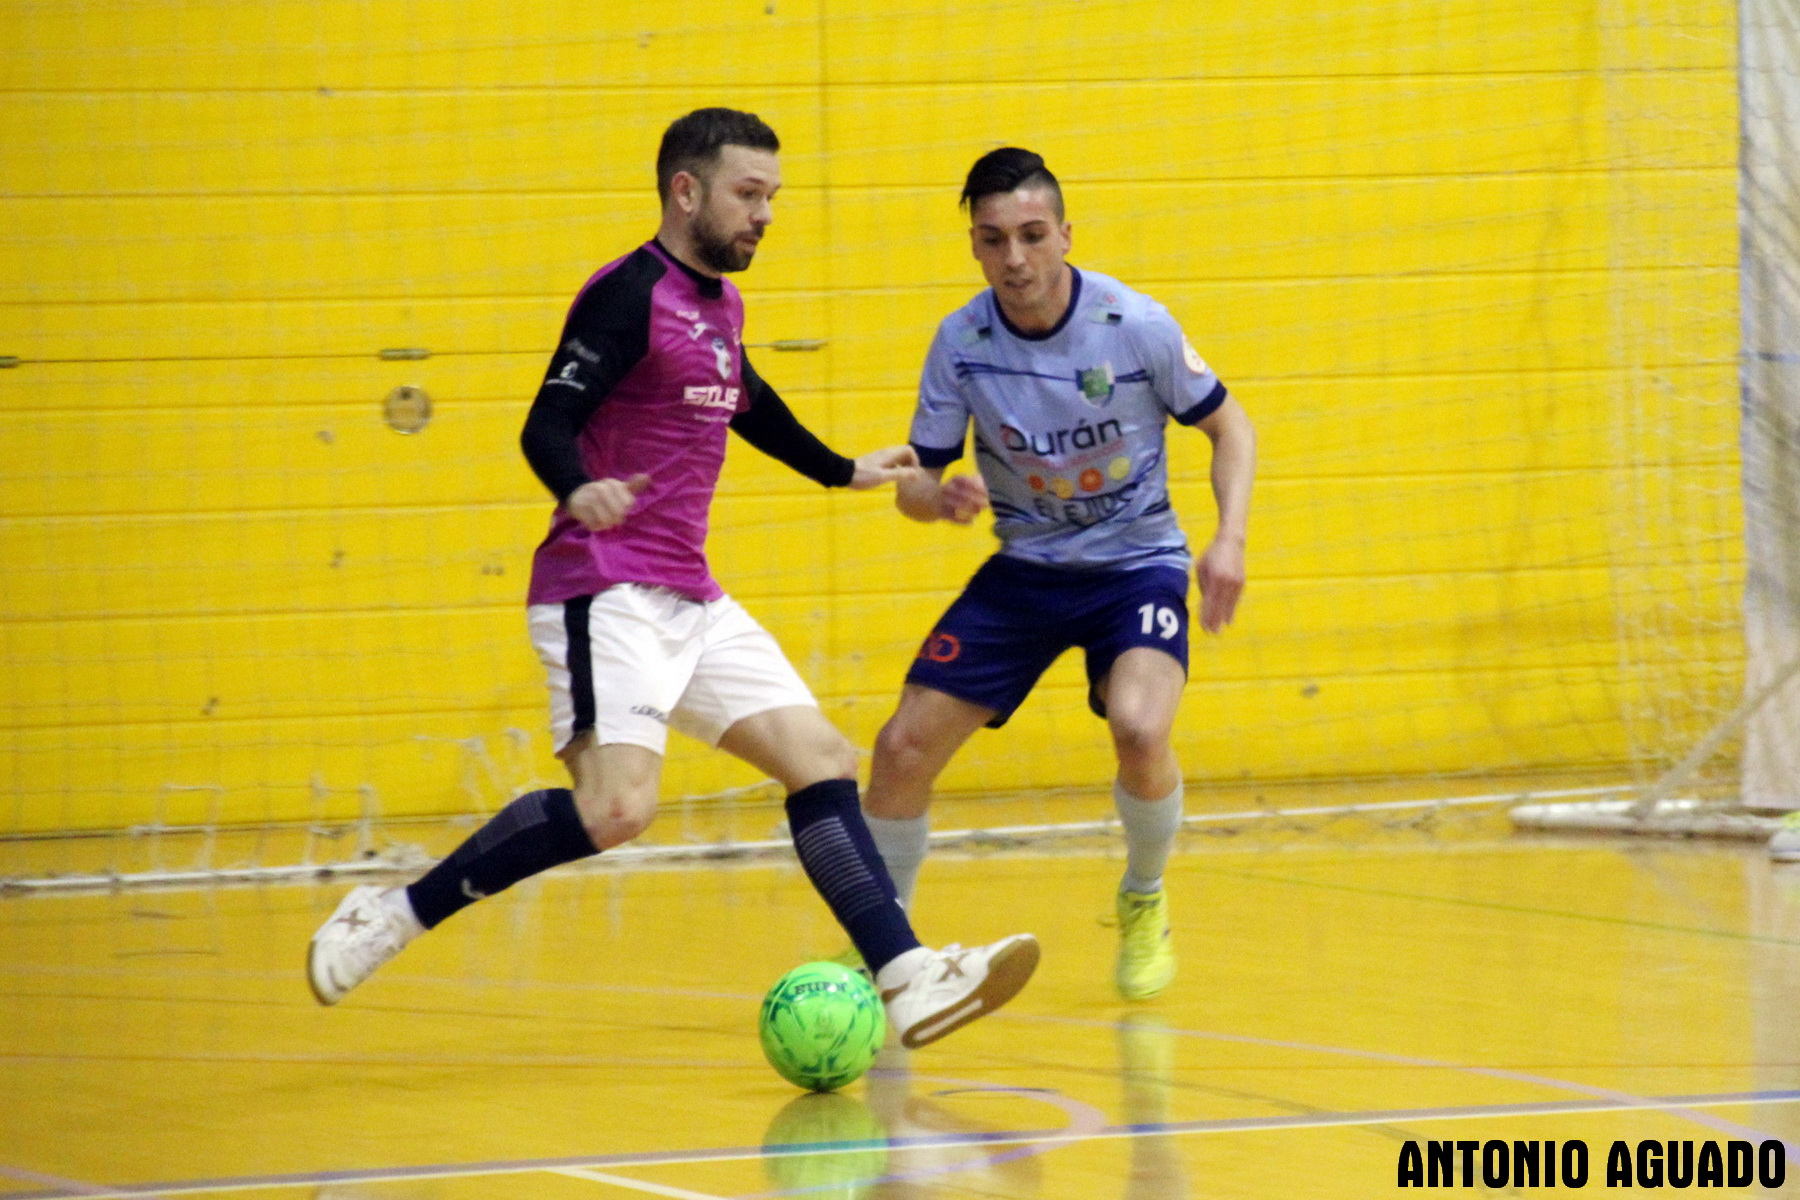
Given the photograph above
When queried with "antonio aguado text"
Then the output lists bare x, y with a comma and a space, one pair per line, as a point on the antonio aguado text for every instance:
1567, 1164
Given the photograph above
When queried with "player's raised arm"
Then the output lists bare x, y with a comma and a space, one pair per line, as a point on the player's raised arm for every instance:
606, 334
771, 426
1220, 571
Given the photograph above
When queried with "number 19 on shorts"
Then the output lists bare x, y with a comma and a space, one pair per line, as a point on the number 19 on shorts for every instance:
1160, 620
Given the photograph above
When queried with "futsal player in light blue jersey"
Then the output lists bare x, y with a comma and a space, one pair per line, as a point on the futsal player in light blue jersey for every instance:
1069, 379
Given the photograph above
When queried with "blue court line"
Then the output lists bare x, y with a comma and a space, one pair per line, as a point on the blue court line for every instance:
944, 1141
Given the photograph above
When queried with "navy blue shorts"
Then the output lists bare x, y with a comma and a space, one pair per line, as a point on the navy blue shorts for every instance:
1016, 618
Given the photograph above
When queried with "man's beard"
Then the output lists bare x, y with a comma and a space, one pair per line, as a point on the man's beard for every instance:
718, 252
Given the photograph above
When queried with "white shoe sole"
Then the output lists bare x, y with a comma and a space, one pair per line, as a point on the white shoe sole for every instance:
1007, 973
312, 981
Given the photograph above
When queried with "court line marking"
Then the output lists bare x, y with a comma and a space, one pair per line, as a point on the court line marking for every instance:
248, 1183
70, 1187
636, 1185
1706, 1120
1500, 906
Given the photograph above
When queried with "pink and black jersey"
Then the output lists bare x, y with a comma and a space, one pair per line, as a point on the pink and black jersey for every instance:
649, 374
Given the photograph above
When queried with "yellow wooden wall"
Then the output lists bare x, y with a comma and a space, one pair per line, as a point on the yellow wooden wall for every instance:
1470, 267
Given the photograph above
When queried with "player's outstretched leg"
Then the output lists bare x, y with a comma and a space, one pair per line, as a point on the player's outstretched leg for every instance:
928, 993
535, 832
616, 786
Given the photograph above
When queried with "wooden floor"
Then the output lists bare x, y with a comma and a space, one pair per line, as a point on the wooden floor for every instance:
591, 1035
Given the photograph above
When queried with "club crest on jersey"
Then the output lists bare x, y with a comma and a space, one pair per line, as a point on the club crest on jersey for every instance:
722, 357
1096, 384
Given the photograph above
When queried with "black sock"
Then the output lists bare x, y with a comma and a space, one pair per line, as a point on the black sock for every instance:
841, 860
537, 831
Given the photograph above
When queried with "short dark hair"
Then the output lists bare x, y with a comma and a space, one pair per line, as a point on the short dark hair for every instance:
1007, 170
692, 143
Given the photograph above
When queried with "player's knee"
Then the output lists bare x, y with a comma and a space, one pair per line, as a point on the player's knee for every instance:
613, 816
900, 748
1141, 743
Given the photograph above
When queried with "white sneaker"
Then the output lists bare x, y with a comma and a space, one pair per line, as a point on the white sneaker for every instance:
363, 933
953, 986
1784, 843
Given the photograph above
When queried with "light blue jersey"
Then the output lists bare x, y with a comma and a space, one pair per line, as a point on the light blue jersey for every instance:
1069, 424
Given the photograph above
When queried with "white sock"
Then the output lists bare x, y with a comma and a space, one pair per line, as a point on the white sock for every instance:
899, 971
1150, 827
396, 901
902, 844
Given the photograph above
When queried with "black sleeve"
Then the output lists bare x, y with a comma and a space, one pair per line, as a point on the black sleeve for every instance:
938, 456
606, 335
770, 425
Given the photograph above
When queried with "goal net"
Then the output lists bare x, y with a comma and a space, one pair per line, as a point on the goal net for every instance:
286, 276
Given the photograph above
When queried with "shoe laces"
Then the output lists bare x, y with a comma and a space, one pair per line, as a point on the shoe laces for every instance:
372, 940
943, 967
1140, 928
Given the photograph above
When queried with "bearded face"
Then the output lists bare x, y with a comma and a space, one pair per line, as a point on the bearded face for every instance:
725, 237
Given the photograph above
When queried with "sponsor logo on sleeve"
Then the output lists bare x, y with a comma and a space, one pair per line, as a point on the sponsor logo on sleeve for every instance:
566, 377
1191, 357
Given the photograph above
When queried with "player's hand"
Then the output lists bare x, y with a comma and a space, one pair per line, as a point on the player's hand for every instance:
605, 503
1220, 574
962, 498
889, 465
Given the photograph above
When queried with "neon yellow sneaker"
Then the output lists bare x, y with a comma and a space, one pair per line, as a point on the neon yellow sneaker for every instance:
852, 959
1146, 954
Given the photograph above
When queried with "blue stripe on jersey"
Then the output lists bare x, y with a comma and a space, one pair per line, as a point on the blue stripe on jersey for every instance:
966, 369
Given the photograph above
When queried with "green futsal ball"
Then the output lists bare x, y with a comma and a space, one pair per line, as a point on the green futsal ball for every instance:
822, 1025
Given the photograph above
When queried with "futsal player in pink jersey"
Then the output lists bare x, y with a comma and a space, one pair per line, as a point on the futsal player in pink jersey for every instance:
628, 432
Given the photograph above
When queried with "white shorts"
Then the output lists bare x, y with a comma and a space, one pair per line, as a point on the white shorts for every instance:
634, 660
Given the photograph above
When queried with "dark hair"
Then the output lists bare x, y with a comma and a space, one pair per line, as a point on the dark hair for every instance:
1007, 170
692, 143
